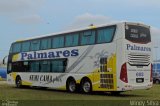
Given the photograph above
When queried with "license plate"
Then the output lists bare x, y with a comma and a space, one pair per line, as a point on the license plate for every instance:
139, 80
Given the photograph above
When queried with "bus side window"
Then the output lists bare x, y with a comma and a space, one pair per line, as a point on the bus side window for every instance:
88, 37
58, 42
58, 66
44, 66
45, 44
17, 67
16, 47
35, 45
34, 66
71, 40
25, 46
25, 66
105, 35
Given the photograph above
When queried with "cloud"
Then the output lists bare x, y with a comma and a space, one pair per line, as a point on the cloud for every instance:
87, 19
12, 6
29, 19
143, 3
132, 3
21, 11
19, 6
155, 34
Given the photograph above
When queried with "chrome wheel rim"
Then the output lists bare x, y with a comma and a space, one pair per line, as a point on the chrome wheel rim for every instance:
18, 83
157, 82
86, 87
72, 86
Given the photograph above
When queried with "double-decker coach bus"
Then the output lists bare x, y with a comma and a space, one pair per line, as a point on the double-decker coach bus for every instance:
115, 57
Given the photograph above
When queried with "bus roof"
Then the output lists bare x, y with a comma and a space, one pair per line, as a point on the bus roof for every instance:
77, 30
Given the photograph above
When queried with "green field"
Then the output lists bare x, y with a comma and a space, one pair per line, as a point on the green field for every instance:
8, 92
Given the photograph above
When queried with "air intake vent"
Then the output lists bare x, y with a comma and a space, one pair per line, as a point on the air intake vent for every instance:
137, 59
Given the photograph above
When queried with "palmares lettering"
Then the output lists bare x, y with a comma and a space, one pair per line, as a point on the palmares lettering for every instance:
49, 55
138, 48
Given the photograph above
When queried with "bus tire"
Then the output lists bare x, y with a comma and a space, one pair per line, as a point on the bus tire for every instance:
157, 81
18, 82
86, 86
71, 85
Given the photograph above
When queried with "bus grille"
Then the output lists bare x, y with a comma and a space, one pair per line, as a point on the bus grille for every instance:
136, 59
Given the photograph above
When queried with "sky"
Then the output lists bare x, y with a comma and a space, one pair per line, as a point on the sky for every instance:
21, 19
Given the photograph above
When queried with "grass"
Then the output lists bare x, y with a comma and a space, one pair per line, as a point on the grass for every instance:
2, 79
8, 92
12, 93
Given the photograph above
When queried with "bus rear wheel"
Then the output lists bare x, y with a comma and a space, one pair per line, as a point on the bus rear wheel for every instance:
18, 82
86, 86
157, 81
71, 85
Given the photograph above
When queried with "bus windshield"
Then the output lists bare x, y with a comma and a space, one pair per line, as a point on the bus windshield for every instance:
137, 34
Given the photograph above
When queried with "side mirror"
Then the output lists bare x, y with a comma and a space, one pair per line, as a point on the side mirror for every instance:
5, 59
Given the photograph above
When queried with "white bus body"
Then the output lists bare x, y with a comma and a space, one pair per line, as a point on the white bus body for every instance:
120, 65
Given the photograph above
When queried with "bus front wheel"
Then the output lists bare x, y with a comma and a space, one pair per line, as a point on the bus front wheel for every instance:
18, 82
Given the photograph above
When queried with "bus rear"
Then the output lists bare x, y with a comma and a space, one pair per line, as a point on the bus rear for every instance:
136, 70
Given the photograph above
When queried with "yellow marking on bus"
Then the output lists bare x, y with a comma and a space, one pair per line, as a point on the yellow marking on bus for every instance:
19, 41
14, 75
26, 83
15, 57
62, 88
111, 64
111, 69
93, 27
